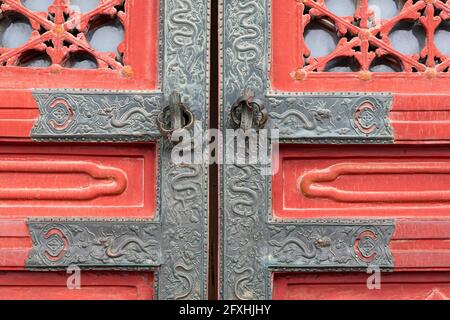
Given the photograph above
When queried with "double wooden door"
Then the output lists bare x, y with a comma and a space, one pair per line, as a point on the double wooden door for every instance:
344, 102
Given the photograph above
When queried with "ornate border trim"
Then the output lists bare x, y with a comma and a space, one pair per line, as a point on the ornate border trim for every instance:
96, 115
184, 188
333, 118
180, 260
91, 244
252, 244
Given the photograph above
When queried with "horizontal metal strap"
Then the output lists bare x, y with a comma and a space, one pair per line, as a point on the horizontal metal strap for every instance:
90, 244
96, 115
332, 118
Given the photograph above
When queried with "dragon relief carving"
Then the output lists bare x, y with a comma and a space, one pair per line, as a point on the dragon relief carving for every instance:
244, 42
330, 244
244, 232
186, 52
183, 29
183, 193
183, 233
328, 116
96, 115
91, 244
254, 246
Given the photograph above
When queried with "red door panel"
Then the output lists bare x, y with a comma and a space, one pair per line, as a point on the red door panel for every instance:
94, 285
132, 67
353, 286
365, 181
18, 113
294, 68
77, 180
70, 37
15, 244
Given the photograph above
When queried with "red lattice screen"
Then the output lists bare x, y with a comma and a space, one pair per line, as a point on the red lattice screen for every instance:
102, 43
372, 49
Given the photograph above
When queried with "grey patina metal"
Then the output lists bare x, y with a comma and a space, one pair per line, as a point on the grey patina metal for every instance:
59, 243
253, 244
96, 115
181, 255
332, 118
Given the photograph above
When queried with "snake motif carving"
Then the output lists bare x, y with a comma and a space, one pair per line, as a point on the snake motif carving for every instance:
184, 186
240, 290
308, 124
182, 272
327, 117
247, 51
185, 30
306, 251
255, 243
98, 115
118, 120
121, 248
183, 196
89, 242
243, 192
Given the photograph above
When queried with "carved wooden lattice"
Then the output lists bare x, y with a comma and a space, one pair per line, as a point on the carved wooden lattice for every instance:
365, 38
63, 33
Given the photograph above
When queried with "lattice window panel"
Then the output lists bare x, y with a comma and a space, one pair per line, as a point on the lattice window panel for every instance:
369, 38
76, 34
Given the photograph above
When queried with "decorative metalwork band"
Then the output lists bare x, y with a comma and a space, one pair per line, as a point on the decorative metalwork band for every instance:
94, 244
96, 115
328, 244
183, 193
332, 118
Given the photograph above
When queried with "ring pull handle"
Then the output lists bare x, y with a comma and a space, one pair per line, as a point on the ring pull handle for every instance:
249, 112
174, 117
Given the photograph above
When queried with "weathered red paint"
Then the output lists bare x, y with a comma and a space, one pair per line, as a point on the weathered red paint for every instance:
73, 180
140, 47
77, 180
18, 109
15, 244
365, 181
95, 285
353, 286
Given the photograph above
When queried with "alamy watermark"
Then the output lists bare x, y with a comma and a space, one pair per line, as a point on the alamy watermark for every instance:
74, 279
374, 279
243, 147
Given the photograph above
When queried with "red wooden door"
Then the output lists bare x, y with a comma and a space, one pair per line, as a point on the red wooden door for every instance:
357, 92
90, 92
